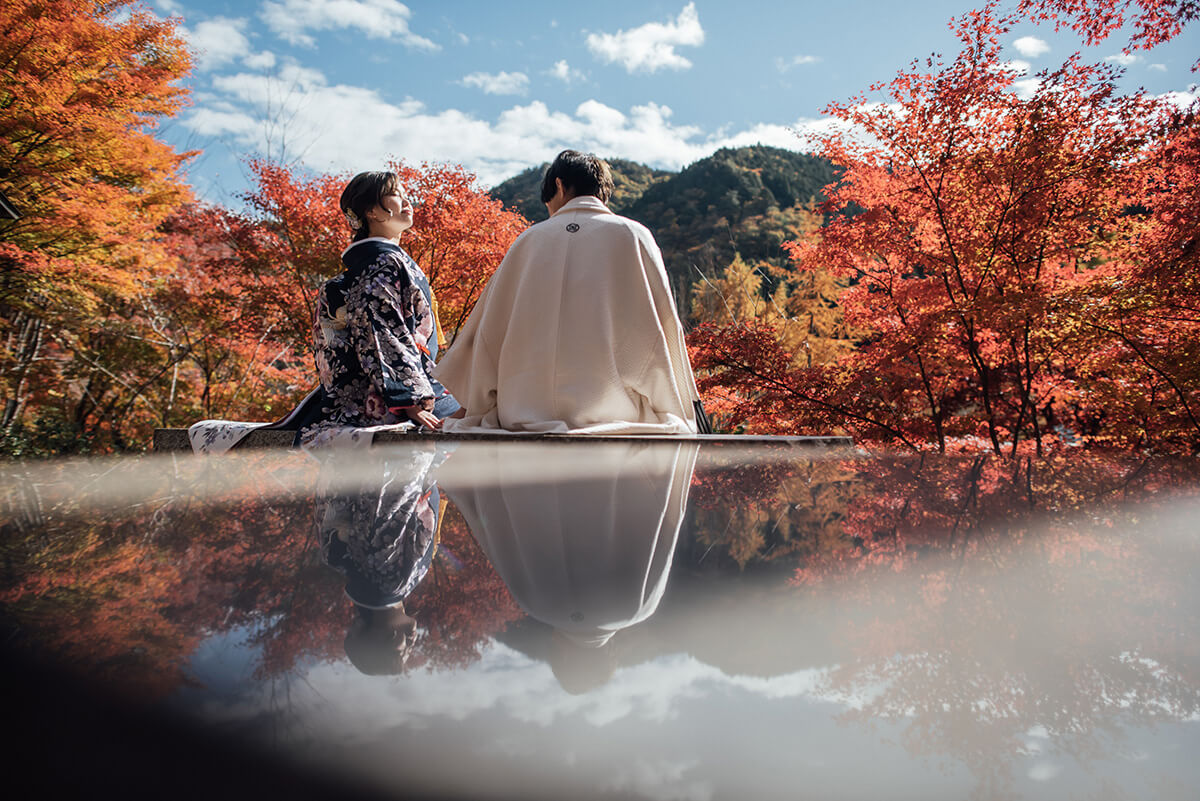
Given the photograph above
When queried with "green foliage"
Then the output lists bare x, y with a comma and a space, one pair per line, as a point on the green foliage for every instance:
49, 434
746, 201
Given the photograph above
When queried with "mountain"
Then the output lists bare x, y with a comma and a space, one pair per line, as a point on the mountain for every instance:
523, 191
746, 201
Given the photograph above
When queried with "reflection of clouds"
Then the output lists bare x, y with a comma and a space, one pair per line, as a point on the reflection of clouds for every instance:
663, 781
651, 691
1044, 771
506, 680
790, 685
1034, 741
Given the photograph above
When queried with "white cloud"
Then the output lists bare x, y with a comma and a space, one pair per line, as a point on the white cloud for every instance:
565, 72
785, 64
168, 6
217, 41
650, 47
1124, 59
1024, 85
1158, 67
377, 19
216, 122
260, 61
1018, 66
1026, 88
1031, 46
502, 83
1182, 100
333, 122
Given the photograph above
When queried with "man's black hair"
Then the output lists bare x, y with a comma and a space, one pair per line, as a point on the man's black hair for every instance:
581, 174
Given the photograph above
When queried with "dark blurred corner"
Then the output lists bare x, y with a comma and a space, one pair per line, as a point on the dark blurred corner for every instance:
67, 740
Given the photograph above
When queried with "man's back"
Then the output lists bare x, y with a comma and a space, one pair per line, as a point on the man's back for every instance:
576, 331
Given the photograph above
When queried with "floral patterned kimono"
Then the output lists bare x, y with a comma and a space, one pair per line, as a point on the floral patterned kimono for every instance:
375, 338
382, 536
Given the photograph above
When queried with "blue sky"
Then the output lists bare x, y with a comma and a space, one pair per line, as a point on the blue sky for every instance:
341, 85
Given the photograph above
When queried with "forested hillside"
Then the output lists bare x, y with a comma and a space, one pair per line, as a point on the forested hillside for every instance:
523, 191
746, 201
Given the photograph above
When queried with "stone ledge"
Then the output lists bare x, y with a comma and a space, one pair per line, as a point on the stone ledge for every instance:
176, 439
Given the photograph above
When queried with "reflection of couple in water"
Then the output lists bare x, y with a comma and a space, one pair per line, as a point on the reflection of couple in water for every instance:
585, 556
383, 538
576, 332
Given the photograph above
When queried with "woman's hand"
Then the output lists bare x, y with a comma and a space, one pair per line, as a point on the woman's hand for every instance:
424, 418
421, 417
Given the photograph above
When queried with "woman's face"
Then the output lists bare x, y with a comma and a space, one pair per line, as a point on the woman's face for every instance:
393, 216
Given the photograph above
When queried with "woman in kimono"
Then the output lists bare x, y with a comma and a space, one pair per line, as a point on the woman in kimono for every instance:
381, 535
376, 332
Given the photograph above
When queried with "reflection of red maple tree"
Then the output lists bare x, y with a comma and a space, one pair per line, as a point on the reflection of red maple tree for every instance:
129, 595
974, 599
461, 603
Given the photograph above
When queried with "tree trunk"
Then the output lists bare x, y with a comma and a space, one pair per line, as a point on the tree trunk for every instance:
28, 342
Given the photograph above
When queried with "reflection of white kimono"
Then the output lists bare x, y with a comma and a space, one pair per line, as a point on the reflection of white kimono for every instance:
586, 556
576, 332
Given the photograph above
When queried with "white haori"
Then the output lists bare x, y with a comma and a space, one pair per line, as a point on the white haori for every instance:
588, 556
575, 333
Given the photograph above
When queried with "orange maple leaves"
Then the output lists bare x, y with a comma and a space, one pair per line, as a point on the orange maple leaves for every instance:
987, 239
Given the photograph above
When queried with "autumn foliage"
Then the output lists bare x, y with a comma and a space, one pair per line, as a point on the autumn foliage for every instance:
995, 267
124, 306
240, 304
83, 85
1018, 269
1152, 21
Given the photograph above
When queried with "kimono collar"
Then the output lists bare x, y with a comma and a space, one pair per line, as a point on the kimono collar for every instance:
376, 240
584, 203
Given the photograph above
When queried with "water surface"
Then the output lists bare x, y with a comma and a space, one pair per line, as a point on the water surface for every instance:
633, 620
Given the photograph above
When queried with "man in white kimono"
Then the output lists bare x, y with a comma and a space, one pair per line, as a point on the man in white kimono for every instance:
588, 552
577, 330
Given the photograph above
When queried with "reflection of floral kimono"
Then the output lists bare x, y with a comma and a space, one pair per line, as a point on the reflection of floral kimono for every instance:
382, 537
587, 555
375, 340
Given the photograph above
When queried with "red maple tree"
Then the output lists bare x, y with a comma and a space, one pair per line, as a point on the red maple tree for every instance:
982, 233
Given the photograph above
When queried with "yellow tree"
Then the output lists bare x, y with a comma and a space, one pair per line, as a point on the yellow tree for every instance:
82, 85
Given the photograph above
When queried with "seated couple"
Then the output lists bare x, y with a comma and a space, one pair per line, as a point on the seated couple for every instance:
575, 333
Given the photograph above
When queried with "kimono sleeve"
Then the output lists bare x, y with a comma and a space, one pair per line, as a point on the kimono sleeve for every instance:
665, 379
383, 314
470, 368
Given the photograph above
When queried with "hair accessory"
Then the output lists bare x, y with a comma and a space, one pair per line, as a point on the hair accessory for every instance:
352, 219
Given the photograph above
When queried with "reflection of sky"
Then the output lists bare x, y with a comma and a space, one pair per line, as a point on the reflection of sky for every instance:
670, 728
222, 663
1094, 636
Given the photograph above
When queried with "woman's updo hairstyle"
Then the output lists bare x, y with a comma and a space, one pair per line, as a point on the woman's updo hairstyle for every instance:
364, 192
